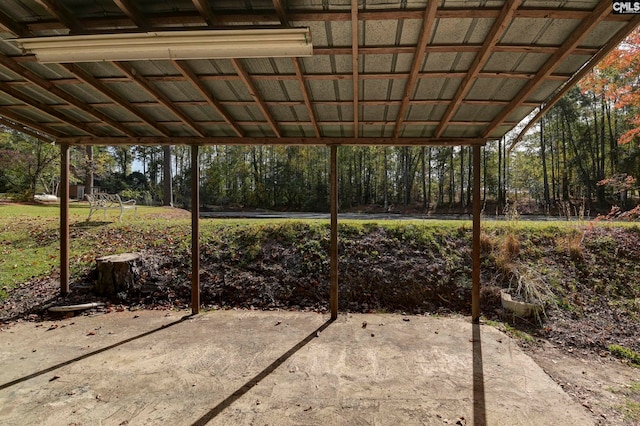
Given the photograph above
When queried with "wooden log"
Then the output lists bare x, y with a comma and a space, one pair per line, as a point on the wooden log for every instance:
117, 273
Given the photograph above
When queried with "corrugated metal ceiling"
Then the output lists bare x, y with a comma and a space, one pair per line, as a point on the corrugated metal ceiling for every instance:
424, 73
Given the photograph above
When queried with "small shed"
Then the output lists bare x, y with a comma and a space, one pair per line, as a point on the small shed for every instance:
76, 192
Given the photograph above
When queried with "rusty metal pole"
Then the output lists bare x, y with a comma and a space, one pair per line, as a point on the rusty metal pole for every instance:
477, 210
64, 219
334, 232
195, 230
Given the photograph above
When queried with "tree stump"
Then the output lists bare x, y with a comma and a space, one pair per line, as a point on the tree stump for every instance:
117, 273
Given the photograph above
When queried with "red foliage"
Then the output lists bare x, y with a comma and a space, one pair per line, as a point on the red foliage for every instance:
616, 213
616, 79
620, 182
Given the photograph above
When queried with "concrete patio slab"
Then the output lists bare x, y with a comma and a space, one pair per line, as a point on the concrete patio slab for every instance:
272, 368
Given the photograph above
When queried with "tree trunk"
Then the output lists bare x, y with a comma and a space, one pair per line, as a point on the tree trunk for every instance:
462, 199
167, 199
424, 179
545, 178
500, 201
484, 177
117, 273
565, 164
88, 177
405, 176
429, 176
452, 179
385, 167
470, 176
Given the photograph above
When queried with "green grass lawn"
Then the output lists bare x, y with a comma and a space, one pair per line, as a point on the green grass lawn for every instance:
30, 242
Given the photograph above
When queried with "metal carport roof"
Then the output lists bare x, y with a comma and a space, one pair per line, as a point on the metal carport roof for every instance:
382, 72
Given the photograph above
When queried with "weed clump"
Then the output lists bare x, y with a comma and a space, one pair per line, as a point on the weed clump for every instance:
625, 353
572, 243
486, 243
519, 278
511, 246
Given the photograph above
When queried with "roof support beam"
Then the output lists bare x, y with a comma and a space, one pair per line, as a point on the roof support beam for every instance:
133, 12
9, 25
64, 219
64, 16
26, 128
323, 76
61, 14
447, 48
496, 32
346, 103
192, 78
475, 238
53, 88
322, 141
191, 18
195, 230
305, 95
346, 123
408, 123
253, 91
157, 95
418, 59
45, 108
205, 11
280, 11
355, 67
98, 85
435, 48
333, 244
300, 77
601, 11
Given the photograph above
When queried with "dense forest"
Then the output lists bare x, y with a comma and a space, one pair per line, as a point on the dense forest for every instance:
582, 157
